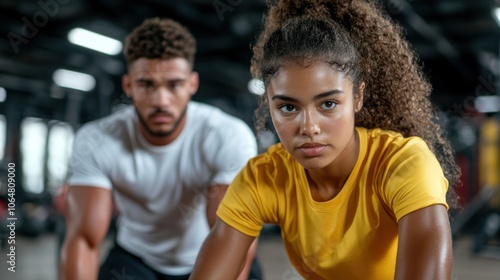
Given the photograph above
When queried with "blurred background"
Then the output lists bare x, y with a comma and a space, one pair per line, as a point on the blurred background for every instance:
54, 78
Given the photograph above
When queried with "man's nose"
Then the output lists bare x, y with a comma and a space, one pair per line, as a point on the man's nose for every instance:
162, 97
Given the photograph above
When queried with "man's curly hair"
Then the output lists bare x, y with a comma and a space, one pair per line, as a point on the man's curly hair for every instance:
160, 38
357, 38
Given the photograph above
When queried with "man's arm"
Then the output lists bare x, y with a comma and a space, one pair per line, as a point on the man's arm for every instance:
88, 214
222, 254
425, 246
214, 197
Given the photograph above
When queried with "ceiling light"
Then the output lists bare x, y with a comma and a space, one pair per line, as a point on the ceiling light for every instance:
256, 86
3, 94
74, 80
94, 41
496, 15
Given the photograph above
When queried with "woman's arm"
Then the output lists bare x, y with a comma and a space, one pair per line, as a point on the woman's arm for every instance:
425, 245
217, 192
223, 254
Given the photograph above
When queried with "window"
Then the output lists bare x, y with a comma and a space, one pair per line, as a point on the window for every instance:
33, 143
3, 136
59, 150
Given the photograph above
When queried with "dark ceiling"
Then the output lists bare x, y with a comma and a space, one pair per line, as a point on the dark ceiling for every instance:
457, 41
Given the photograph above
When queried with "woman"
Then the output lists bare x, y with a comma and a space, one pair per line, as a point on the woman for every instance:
359, 181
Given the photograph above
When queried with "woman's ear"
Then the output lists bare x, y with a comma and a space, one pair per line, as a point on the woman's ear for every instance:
358, 97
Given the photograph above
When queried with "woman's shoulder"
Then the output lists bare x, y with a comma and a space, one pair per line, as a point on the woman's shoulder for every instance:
388, 149
391, 141
391, 155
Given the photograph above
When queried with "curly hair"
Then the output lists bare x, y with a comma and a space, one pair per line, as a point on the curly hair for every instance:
160, 38
356, 38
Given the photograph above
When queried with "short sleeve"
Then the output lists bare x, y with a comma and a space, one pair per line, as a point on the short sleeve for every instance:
87, 159
229, 148
414, 180
241, 205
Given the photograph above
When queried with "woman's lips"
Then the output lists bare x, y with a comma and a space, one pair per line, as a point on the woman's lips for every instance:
312, 149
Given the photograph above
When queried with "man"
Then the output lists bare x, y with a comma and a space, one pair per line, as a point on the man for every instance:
166, 162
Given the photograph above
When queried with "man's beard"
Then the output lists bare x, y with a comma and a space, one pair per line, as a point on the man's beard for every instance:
161, 134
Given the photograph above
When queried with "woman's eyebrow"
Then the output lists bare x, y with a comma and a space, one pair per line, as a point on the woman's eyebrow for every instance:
327, 93
317, 97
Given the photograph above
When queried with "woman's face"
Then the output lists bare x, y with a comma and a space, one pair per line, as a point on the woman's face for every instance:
313, 109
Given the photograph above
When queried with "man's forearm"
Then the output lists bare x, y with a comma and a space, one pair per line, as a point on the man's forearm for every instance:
79, 261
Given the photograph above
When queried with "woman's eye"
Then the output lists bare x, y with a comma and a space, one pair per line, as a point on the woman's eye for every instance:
328, 105
287, 108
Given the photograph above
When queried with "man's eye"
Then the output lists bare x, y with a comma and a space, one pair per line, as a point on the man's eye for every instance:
146, 85
175, 85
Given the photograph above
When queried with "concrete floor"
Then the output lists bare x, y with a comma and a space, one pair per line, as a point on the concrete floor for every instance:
36, 260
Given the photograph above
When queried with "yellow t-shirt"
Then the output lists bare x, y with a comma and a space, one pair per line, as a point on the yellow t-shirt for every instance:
355, 234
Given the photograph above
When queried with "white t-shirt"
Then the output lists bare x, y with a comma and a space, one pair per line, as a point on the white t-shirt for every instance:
161, 191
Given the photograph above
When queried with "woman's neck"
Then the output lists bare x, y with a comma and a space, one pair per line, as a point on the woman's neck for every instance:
326, 183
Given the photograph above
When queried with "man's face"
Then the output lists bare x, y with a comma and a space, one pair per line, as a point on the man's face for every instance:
160, 90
